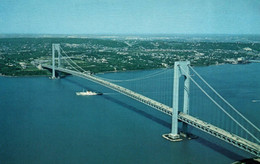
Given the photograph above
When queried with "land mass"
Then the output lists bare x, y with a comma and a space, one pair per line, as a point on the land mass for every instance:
19, 56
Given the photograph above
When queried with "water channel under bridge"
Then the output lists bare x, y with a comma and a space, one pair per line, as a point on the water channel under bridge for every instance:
183, 68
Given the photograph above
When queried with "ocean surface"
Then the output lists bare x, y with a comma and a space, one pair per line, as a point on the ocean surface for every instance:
44, 121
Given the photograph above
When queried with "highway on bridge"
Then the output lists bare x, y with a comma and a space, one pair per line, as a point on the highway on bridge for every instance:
233, 139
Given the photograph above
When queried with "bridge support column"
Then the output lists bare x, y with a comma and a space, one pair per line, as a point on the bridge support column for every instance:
186, 93
180, 68
55, 47
53, 62
59, 55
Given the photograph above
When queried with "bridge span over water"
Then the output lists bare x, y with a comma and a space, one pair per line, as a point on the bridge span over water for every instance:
181, 68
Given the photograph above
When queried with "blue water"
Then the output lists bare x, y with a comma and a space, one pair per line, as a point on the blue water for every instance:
43, 121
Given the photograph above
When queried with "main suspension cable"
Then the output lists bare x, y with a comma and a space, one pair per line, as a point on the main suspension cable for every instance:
219, 106
233, 108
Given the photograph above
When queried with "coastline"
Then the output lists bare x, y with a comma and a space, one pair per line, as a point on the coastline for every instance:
7, 76
119, 71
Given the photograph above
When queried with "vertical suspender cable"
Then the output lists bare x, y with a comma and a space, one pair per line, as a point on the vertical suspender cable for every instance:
221, 107
225, 100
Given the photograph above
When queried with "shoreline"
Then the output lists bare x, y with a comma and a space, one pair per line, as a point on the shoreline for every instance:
23, 76
120, 71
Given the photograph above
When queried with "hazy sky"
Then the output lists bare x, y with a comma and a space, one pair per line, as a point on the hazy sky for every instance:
130, 16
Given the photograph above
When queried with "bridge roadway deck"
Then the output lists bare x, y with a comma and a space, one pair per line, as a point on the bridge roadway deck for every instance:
233, 139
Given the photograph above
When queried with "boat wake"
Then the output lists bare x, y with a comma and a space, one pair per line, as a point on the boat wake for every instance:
110, 93
256, 101
88, 93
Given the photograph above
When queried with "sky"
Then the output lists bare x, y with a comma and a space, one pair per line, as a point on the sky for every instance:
130, 16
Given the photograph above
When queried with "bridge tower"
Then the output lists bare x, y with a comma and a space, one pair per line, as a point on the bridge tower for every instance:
55, 47
180, 69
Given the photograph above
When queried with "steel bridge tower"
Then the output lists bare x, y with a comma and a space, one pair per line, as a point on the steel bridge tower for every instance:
55, 47
180, 69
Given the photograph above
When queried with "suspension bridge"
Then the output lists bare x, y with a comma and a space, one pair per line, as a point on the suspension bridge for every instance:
246, 136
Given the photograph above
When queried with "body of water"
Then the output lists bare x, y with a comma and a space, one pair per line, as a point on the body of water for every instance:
43, 121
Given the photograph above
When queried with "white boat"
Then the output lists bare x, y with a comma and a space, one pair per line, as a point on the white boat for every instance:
88, 93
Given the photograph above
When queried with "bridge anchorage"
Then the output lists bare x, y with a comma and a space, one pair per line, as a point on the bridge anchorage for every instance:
247, 135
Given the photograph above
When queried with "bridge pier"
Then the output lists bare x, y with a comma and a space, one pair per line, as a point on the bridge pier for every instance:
180, 69
55, 47
186, 98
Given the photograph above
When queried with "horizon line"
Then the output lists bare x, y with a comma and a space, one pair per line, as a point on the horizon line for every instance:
125, 34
